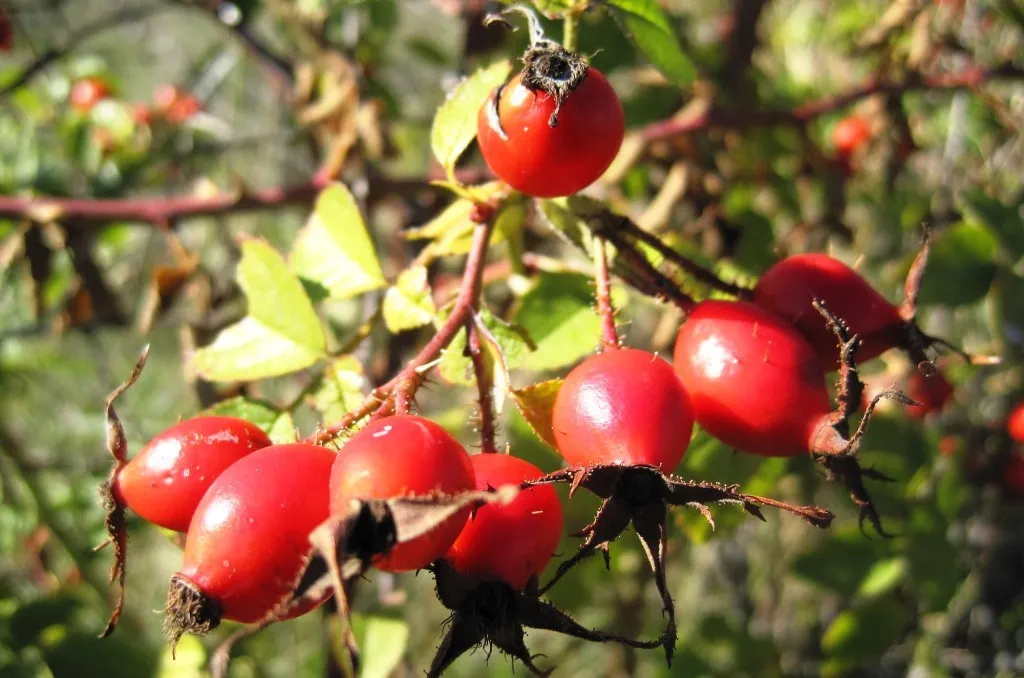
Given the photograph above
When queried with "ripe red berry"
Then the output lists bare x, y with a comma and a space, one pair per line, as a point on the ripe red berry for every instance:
183, 109
249, 538
142, 114
544, 161
754, 382
166, 480
623, 406
932, 392
850, 134
1015, 423
399, 456
87, 92
511, 542
788, 288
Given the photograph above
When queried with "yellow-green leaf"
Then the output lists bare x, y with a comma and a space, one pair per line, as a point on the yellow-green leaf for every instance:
282, 332
334, 251
536, 403
408, 304
455, 122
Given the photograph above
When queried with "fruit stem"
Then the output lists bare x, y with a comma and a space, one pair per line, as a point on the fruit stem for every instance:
412, 375
605, 309
569, 26
484, 383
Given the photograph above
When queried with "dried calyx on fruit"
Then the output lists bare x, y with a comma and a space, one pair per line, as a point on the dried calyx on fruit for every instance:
488, 579
622, 420
758, 385
547, 66
556, 126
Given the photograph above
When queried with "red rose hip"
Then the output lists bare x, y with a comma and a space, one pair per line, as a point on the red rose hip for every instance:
623, 406
166, 480
513, 542
249, 538
399, 456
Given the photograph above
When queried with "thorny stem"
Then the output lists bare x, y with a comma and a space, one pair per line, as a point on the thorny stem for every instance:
691, 267
605, 309
411, 376
488, 426
652, 281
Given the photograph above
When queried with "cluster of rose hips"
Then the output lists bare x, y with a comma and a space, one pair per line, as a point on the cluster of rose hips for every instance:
170, 102
272, 531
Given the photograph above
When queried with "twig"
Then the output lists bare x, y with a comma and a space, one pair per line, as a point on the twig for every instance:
44, 60
691, 267
164, 211
609, 337
474, 348
276, 63
968, 78
411, 376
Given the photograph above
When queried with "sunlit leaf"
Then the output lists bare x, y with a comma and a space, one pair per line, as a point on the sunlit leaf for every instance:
408, 304
334, 251
342, 389
455, 122
282, 332
536, 402
645, 23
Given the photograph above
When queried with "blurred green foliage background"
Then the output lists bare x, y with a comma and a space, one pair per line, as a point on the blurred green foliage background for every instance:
943, 598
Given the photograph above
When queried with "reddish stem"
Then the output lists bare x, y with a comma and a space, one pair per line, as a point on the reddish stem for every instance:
411, 376
802, 114
488, 425
609, 337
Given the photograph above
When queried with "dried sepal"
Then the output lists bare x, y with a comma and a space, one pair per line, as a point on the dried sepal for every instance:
640, 495
492, 614
832, 446
114, 521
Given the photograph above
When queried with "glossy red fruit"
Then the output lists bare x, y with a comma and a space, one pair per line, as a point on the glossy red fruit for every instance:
754, 381
250, 534
850, 134
166, 480
788, 288
514, 542
932, 392
545, 161
398, 456
87, 92
1015, 423
623, 406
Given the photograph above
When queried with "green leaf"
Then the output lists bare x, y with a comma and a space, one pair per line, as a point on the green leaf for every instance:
383, 642
961, 268
281, 334
342, 389
536, 403
455, 122
512, 343
334, 250
646, 25
408, 304
1005, 220
260, 413
866, 631
884, 576
452, 230
558, 314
